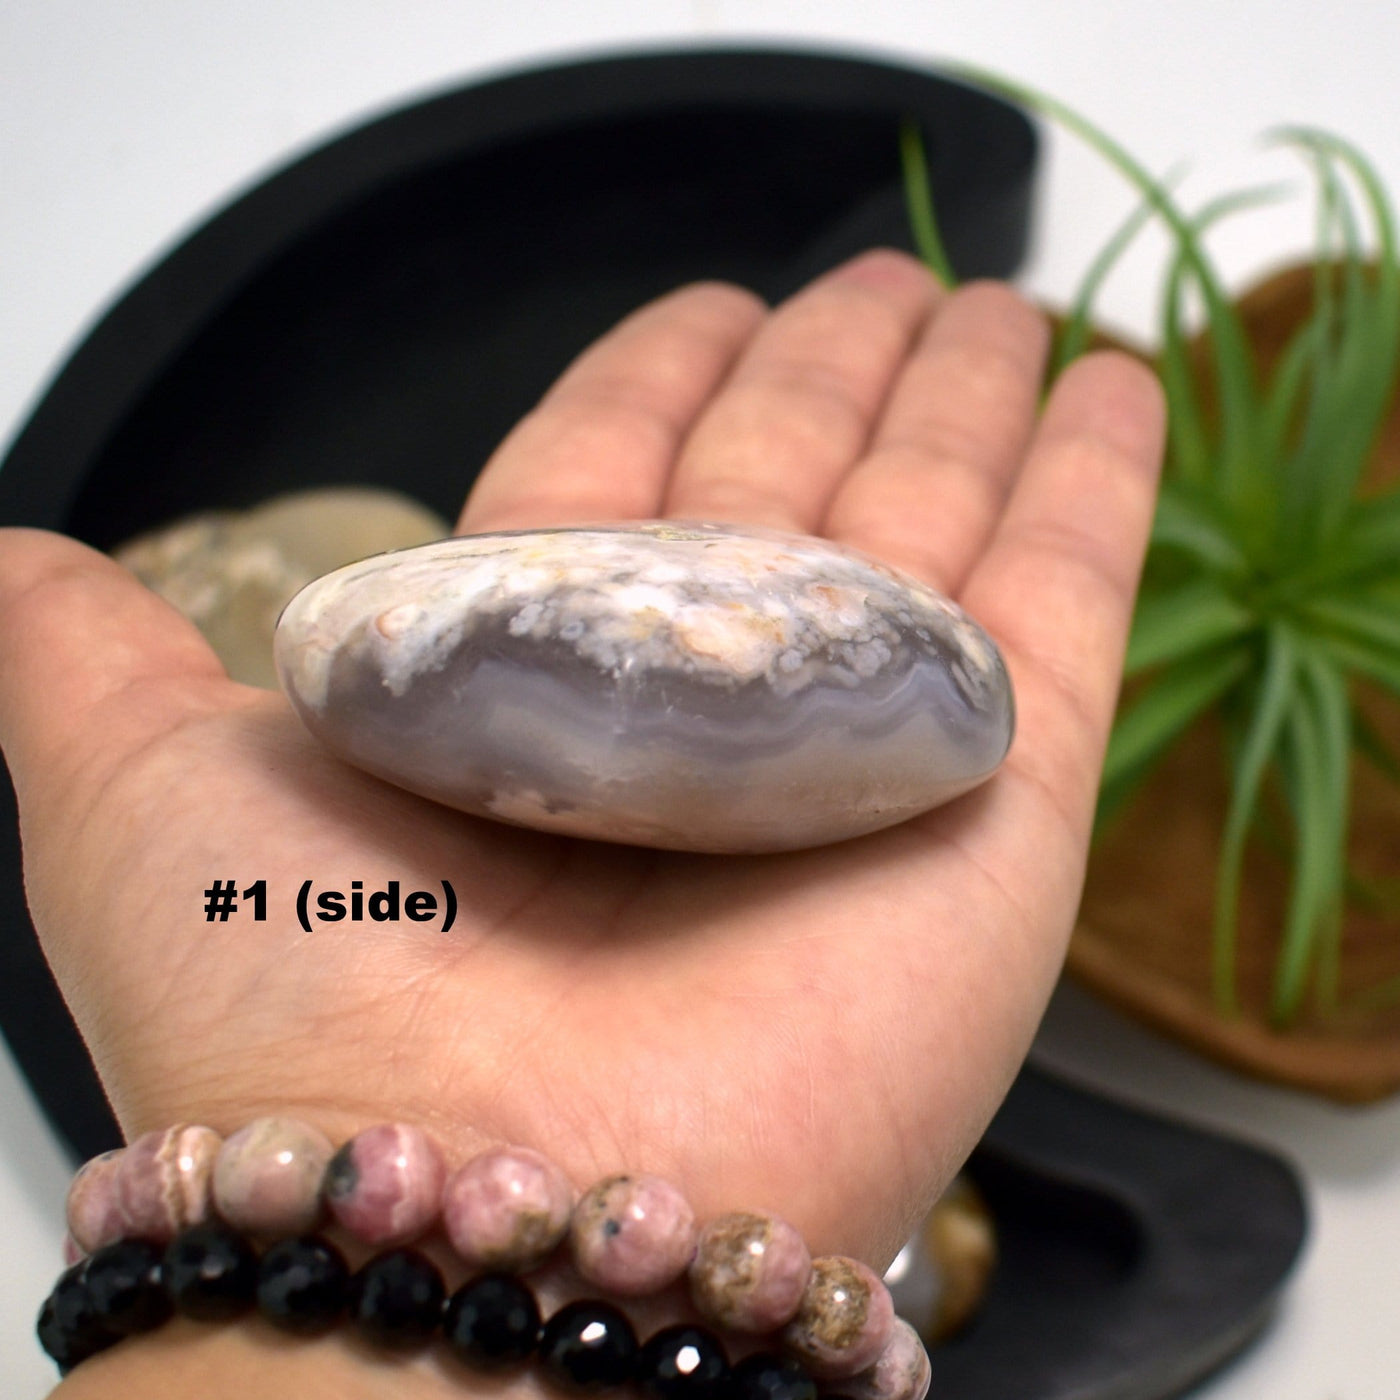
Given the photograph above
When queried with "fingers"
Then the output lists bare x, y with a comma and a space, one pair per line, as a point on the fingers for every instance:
602, 443
91, 663
928, 493
1056, 584
799, 407
697, 406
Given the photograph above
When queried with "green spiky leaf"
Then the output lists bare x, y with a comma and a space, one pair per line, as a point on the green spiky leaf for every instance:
1272, 576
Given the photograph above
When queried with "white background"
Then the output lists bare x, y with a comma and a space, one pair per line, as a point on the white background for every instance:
124, 123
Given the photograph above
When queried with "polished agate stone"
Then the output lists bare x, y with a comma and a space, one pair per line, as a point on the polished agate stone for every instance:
685, 686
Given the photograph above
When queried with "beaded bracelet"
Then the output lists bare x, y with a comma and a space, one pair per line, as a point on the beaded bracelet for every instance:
396, 1301
504, 1212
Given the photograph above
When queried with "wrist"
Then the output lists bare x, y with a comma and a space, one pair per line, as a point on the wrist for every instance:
218, 1362
632, 1237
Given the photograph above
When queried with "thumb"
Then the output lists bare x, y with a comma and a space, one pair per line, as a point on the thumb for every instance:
92, 664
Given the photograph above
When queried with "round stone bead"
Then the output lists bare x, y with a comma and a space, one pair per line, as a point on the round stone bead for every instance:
94, 1214
302, 1284
124, 1282
384, 1185
901, 1371
492, 1321
69, 1329
683, 1363
844, 1319
588, 1345
632, 1235
268, 1175
396, 1299
765, 1376
162, 1181
507, 1209
749, 1272
210, 1272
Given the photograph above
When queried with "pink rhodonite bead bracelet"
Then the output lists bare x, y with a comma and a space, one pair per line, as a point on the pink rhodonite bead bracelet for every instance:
510, 1209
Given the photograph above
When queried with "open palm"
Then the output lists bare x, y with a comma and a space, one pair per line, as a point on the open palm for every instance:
823, 1033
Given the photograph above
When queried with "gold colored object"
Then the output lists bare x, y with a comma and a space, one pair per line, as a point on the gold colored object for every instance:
939, 1279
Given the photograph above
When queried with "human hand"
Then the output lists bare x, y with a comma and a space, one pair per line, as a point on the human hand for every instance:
823, 1034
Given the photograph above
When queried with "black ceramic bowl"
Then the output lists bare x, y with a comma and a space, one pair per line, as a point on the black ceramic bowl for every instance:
383, 311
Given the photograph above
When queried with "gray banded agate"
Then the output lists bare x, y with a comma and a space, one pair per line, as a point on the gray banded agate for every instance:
685, 686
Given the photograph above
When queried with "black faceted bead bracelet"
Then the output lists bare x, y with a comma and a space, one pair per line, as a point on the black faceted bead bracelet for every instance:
589, 1345
397, 1300
123, 1281
69, 1327
210, 1272
493, 1321
683, 1363
302, 1284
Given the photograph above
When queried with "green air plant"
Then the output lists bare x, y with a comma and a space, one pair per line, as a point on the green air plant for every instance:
1273, 575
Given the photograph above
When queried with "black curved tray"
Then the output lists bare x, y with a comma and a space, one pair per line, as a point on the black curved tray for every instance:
1137, 1253
385, 309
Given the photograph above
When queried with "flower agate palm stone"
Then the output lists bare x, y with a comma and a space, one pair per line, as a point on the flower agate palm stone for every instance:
684, 686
